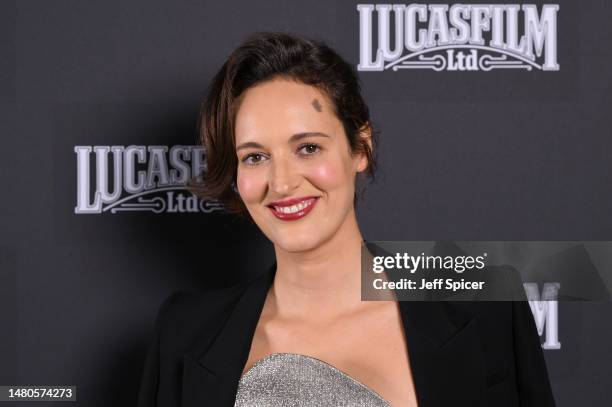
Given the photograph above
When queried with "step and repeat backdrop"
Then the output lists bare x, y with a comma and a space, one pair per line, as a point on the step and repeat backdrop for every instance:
495, 125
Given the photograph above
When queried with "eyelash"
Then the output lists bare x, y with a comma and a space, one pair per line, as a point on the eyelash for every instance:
318, 147
248, 156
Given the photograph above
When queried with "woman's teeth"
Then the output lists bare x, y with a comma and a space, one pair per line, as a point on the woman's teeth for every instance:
294, 208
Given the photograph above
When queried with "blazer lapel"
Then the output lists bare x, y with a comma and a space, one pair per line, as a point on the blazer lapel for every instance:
445, 354
211, 376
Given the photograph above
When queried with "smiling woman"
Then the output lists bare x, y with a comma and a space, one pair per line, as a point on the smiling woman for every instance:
287, 135
296, 171
306, 92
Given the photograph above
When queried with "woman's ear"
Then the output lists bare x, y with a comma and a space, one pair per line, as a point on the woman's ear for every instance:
365, 133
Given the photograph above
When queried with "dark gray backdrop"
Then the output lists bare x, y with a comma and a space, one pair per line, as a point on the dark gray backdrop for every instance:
500, 155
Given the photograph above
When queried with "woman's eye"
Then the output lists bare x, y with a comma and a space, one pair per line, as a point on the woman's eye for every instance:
310, 148
252, 159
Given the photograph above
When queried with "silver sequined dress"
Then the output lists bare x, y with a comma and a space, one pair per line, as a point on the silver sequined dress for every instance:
293, 380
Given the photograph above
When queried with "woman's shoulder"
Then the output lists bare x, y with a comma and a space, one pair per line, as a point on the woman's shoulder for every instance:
190, 315
195, 305
494, 317
186, 310
501, 326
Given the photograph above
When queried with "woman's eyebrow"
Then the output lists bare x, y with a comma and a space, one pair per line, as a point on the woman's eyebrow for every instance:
299, 136
248, 144
292, 139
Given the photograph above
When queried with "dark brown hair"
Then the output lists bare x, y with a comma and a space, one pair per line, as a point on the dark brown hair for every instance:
264, 56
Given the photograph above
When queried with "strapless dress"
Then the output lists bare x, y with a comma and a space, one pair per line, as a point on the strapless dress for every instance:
294, 380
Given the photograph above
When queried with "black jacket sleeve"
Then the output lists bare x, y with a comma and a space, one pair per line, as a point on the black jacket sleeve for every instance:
531, 373
149, 382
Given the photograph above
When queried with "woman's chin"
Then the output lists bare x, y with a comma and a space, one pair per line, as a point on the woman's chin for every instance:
296, 243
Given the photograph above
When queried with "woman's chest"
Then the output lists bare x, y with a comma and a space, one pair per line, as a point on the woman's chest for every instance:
370, 348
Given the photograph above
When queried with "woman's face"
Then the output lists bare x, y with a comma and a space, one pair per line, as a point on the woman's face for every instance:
290, 145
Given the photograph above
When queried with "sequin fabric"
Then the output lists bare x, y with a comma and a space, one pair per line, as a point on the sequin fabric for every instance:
293, 380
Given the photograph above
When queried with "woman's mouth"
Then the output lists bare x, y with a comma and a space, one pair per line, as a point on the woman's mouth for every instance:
295, 211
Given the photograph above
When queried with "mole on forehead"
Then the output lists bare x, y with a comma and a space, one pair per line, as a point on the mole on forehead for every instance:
317, 105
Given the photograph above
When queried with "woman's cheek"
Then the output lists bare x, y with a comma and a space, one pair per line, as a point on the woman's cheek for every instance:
326, 174
250, 187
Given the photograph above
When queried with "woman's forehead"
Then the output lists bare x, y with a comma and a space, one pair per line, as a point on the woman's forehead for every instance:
283, 105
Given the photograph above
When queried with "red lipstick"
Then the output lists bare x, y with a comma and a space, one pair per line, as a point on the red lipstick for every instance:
294, 208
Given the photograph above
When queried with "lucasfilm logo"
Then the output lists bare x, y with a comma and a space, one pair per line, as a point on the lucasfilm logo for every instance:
458, 37
545, 309
139, 178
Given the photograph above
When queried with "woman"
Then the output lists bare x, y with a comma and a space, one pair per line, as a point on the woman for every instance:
287, 134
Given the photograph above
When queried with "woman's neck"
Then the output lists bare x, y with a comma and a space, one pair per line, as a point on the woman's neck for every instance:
320, 283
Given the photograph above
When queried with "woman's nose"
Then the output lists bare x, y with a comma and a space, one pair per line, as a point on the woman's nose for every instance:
284, 176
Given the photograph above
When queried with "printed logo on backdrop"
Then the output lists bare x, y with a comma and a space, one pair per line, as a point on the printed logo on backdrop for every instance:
545, 309
139, 178
458, 37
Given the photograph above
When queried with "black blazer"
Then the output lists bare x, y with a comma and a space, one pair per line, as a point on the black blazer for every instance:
461, 353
